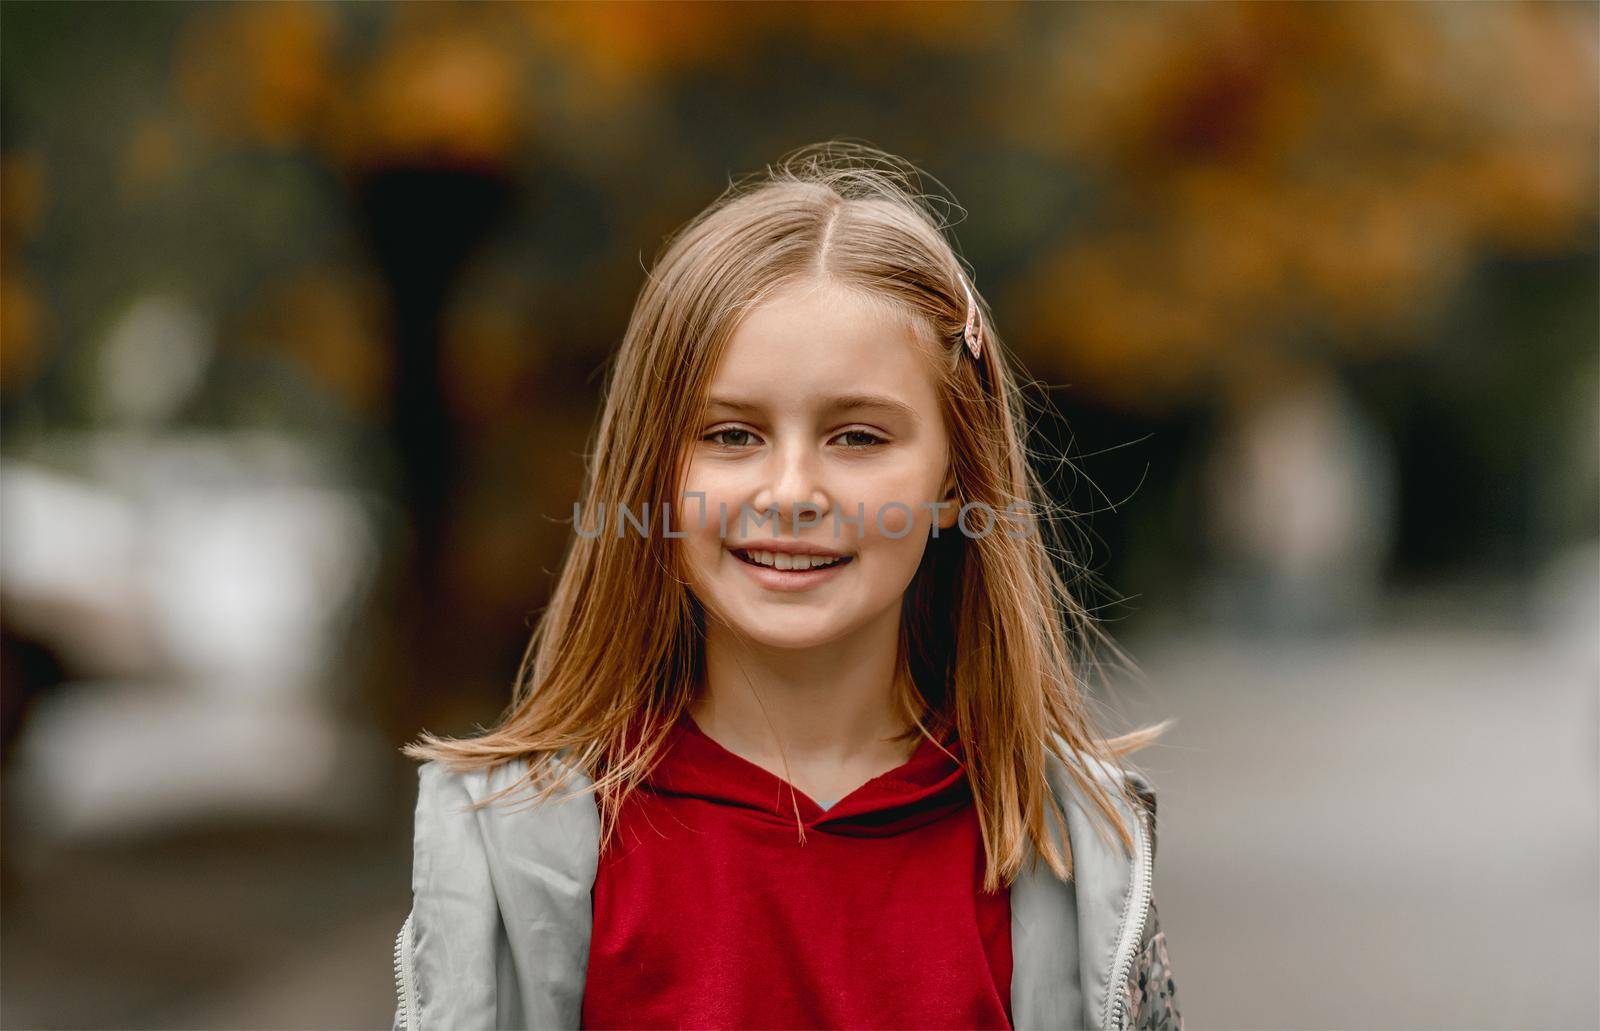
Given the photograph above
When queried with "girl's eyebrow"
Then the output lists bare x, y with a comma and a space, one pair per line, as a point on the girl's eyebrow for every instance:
839, 403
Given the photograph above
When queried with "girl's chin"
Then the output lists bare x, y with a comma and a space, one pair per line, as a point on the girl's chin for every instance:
789, 635
786, 644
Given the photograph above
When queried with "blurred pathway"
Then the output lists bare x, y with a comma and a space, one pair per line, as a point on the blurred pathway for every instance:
1390, 832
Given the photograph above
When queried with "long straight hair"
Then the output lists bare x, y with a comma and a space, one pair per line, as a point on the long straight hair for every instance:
994, 642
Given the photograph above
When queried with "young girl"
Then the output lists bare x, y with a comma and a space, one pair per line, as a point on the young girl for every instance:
805, 712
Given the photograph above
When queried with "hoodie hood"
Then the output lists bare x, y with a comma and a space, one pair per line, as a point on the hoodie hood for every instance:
928, 786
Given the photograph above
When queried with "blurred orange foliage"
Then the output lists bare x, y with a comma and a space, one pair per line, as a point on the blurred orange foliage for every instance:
1271, 167
258, 73
24, 319
439, 91
332, 322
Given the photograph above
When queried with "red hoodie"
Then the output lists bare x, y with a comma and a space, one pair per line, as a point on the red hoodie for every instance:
710, 913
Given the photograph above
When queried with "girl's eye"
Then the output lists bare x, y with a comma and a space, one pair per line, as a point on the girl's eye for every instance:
858, 439
720, 436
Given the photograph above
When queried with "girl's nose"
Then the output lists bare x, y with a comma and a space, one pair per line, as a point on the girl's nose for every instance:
793, 488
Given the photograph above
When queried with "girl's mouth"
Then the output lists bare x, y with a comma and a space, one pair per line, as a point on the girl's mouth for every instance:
787, 562
784, 571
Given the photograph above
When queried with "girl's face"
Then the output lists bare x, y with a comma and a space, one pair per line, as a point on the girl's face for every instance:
823, 434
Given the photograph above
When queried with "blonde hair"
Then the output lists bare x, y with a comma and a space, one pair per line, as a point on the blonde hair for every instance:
993, 638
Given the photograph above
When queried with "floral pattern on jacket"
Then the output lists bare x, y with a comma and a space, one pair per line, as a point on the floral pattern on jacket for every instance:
1152, 994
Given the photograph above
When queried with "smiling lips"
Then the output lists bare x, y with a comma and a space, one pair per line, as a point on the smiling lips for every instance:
787, 561
790, 565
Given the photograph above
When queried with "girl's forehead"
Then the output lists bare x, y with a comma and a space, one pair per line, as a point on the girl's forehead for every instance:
825, 375
819, 302
827, 340
858, 401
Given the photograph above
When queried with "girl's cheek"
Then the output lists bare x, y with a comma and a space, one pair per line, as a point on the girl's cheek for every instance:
895, 520
897, 509
702, 505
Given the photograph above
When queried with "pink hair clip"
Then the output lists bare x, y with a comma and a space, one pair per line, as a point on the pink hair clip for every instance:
973, 333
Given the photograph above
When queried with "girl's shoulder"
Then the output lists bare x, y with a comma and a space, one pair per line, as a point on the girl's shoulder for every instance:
486, 813
443, 788
1111, 775
1120, 782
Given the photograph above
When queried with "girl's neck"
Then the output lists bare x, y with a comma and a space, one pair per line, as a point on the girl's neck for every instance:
832, 704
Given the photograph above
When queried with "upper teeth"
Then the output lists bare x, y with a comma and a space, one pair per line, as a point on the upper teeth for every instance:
784, 560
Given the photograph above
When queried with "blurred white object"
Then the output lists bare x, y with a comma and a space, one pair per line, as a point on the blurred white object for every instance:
1566, 605
208, 582
1300, 499
252, 582
69, 570
153, 359
105, 758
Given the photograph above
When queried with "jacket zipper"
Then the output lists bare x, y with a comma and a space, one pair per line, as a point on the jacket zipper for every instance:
403, 986
1116, 1015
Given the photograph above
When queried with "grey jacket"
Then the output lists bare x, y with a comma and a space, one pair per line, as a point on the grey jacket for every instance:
498, 933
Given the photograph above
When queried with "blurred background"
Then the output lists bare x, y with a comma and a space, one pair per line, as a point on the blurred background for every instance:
303, 316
